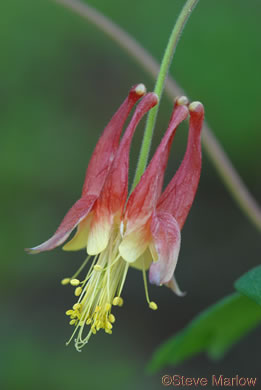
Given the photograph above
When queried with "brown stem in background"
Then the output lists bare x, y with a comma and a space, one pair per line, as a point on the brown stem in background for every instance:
213, 148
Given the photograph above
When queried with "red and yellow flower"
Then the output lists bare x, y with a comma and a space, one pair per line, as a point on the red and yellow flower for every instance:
142, 231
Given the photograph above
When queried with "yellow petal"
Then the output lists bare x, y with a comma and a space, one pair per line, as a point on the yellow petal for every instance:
134, 245
99, 236
144, 260
153, 252
79, 241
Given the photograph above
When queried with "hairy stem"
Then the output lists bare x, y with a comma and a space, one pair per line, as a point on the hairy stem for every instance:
212, 146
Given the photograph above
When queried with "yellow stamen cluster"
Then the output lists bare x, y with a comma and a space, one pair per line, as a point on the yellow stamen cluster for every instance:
99, 319
98, 293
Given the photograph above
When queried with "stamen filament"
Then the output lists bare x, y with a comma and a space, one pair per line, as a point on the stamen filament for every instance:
145, 282
123, 279
152, 305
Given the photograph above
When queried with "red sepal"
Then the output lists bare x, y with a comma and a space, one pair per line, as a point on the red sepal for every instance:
143, 199
178, 196
108, 143
97, 172
115, 189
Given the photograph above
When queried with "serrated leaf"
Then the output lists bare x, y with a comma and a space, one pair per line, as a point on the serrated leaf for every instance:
214, 331
250, 284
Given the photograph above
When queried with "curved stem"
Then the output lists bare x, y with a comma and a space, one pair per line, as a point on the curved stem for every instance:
162, 75
213, 148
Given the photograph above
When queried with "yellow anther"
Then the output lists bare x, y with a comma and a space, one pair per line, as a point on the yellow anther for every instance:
75, 282
97, 308
116, 301
98, 268
111, 318
69, 312
100, 324
107, 307
108, 325
120, 301
153, 305
78, 291
108, 331
65, 281
93, 329
77, 306
88, 321
72, 322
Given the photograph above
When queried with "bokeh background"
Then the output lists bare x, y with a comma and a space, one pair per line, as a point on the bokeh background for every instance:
60, 82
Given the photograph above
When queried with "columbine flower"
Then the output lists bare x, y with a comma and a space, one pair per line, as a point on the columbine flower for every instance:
143, 231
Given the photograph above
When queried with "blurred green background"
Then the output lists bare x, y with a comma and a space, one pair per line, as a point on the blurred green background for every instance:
60, 82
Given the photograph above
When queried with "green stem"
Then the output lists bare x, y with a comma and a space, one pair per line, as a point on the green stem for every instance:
159, 86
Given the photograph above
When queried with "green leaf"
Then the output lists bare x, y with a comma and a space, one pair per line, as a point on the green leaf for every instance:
250, 284
214, 331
